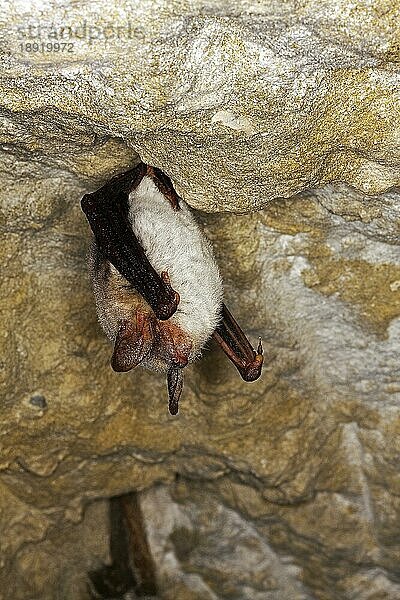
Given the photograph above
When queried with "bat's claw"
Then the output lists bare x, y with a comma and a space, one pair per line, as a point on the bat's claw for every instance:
260, 350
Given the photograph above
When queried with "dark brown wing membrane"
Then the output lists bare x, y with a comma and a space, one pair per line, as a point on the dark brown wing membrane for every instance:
237, 347
107, 213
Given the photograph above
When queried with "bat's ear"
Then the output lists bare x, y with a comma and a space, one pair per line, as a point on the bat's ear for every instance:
133, 343
175, 385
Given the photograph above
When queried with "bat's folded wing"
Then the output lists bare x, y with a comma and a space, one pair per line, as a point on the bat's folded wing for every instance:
237, 347
107, 211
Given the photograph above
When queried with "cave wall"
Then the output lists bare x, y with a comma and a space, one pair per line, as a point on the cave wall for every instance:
279, 123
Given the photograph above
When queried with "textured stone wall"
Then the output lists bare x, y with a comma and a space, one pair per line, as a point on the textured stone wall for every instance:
284, 488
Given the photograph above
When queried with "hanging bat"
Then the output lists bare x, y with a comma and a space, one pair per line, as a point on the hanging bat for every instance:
158, 291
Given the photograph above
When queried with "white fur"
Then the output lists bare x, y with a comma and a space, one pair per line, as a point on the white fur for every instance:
173, 242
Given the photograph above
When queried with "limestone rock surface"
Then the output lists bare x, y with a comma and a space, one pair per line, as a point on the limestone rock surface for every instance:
284, 488
239, 102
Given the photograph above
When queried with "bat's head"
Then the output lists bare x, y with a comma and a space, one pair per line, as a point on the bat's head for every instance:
155, 345
144, 340
139, 337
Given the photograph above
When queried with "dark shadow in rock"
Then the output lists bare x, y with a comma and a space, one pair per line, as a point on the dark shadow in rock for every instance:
132, 571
